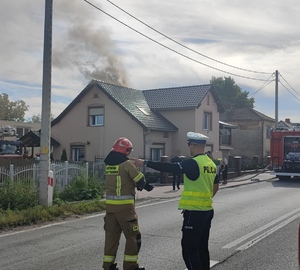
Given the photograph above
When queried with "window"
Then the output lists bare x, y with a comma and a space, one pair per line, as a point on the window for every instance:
77, 153
22, 131
166, 135
207, 125
156, 151
156, 154
96, 116
268, 131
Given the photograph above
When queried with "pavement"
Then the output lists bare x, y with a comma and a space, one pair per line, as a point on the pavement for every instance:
166, 190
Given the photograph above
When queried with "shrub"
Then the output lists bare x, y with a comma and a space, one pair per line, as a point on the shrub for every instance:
80, 188
18, 195
64, 155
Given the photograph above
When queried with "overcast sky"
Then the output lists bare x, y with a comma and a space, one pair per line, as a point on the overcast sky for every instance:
246, 40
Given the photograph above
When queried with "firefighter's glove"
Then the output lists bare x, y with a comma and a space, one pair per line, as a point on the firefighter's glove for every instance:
148, 187
139, 188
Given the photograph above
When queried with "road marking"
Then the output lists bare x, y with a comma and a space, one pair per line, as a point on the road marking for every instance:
253, 233
265, 234
212, 263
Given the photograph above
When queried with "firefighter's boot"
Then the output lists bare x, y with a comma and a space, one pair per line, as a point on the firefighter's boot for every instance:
140, 268
113, 267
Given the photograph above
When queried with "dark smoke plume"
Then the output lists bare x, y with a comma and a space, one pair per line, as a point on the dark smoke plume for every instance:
85, 46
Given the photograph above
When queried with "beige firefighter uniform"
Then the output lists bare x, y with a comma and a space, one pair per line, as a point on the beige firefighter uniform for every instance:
121, 182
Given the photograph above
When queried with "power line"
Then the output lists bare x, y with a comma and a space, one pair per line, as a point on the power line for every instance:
181, 54
265, 84
184, 46
289, 91
289, 85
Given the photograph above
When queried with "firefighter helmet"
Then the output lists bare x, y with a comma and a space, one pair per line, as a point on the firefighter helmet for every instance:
122, 145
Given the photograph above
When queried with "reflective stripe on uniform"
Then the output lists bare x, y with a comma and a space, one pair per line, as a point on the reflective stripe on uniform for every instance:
130, 258
197, 194
195, 202
138, 177
109, 259
112, 169
120, 201
118, 185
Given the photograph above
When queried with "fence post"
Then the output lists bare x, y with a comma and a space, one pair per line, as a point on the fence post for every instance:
34, 171
66, 173
11, 172
52, 168
87, 169
238, 162
50, 188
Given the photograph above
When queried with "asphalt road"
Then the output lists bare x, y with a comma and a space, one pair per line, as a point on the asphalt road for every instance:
255, 227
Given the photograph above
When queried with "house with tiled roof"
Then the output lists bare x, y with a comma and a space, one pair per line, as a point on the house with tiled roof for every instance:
251, 139
287, 124
155, 120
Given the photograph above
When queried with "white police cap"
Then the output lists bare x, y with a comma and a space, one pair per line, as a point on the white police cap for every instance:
197, 138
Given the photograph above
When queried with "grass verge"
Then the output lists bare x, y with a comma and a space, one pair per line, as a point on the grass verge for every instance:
10, 219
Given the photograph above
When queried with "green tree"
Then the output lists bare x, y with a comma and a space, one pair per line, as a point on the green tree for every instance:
64, 155
12, 110
230, 94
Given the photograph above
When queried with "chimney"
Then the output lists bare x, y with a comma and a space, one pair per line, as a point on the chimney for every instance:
288, 120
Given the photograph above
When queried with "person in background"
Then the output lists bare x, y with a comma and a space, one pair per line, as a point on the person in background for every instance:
176, 176
201, 183
122, 177
224, 170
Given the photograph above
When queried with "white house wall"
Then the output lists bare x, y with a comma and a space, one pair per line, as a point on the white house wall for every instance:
209, 105
98, 140
185, 121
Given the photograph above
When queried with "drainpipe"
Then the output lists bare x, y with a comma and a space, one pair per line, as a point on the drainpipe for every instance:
144, 146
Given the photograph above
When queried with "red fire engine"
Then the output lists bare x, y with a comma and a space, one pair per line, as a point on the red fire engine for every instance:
285, 153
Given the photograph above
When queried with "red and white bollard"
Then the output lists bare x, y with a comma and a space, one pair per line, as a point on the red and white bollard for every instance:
50, 188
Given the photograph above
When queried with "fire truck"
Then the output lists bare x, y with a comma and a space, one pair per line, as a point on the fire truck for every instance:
10, 149
285, 153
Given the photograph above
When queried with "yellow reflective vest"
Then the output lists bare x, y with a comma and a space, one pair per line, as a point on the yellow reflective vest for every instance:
197, 195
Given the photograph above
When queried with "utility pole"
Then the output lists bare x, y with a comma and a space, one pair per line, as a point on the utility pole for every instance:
46, 106
276, 99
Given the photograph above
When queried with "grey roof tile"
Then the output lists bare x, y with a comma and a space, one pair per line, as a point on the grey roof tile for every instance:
134, 102
242, 114
143, 105
176, 97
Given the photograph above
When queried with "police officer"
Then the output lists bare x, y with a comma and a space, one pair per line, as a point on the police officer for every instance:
122, 177
201, 183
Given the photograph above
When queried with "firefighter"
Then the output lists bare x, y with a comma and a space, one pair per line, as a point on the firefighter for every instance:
201, 183
122, 177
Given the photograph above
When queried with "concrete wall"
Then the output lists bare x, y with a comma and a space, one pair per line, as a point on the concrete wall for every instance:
250, 140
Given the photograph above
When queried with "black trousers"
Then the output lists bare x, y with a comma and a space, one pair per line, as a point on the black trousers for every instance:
176, 180
195, 236
225, 172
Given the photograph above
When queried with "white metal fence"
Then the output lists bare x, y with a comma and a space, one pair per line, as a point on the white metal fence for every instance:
63, 172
